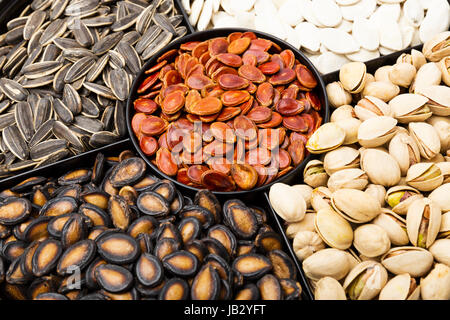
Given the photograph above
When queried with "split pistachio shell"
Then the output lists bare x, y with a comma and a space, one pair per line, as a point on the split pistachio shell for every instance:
442, 127
445, 169
413, 260
437, 47
439, 99
441, 251
350, 127
306, 224
287, 202
441, 196
410, 107
348, 178
426, 139
400, 198
444, 66
334, 230
342, 113
401, 287
329, 288
328, 262
341, 158
381, 90
377, 191
307, 243
327, 137
352, 76
370, 107
376, 131
337, 95
306, 192
321, 198
355, 205
424, 176
436, 285
394, 225
314, 174
404, 150
371, 240
365, 281
423, 221
402, 74
380, 166
428, 75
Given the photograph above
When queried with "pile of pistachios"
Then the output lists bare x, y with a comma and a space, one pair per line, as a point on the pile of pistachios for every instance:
372, 220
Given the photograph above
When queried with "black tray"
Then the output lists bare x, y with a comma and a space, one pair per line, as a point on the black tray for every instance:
13, 8
87, 159
291, 176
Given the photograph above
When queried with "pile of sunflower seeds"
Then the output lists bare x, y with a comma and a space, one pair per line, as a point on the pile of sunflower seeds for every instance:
66, 68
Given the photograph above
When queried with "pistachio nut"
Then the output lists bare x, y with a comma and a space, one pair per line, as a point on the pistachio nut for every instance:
314, 174
369, 107
402, 74
418, 59
328, 262
306, 224
350, 127
343, 112
445, 169
413, 260
377, 191
426, 138
334, 230
327, 137
341, 158
287, 202
306, 192
428, 75
355, 205
424, 176
436, 159
404, 150
369, 78
365, 281
394, 225
321, 198
438, 99
437, 47
400, 198
410, 107
353, 76
441, 196
329, 288
405, 58
306, 243
423, 221
380, 166
441, 251
348, 178
337, 95
436, 285
376, 131
382, 73
382, 90
401, 287
444, 66
444, 231
371, 240
442, 127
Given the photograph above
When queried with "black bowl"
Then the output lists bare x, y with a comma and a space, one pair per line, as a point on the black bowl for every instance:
289, 178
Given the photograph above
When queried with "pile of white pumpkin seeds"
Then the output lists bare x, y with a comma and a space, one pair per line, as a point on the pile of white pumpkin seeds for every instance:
66, 68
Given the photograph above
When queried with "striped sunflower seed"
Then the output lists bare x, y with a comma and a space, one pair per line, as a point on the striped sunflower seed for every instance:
24, 119
62, 111
159, 43
97, 68
47, 148
77, 8
41, 69
107, 43
61, 131
57, 8
88, 124
43, 133
120, 84
6, 120
15, 142
100, 90
102, 138
33, 23
71, 99
132, 59
42, 112
54, 30
13, 90
79, 69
